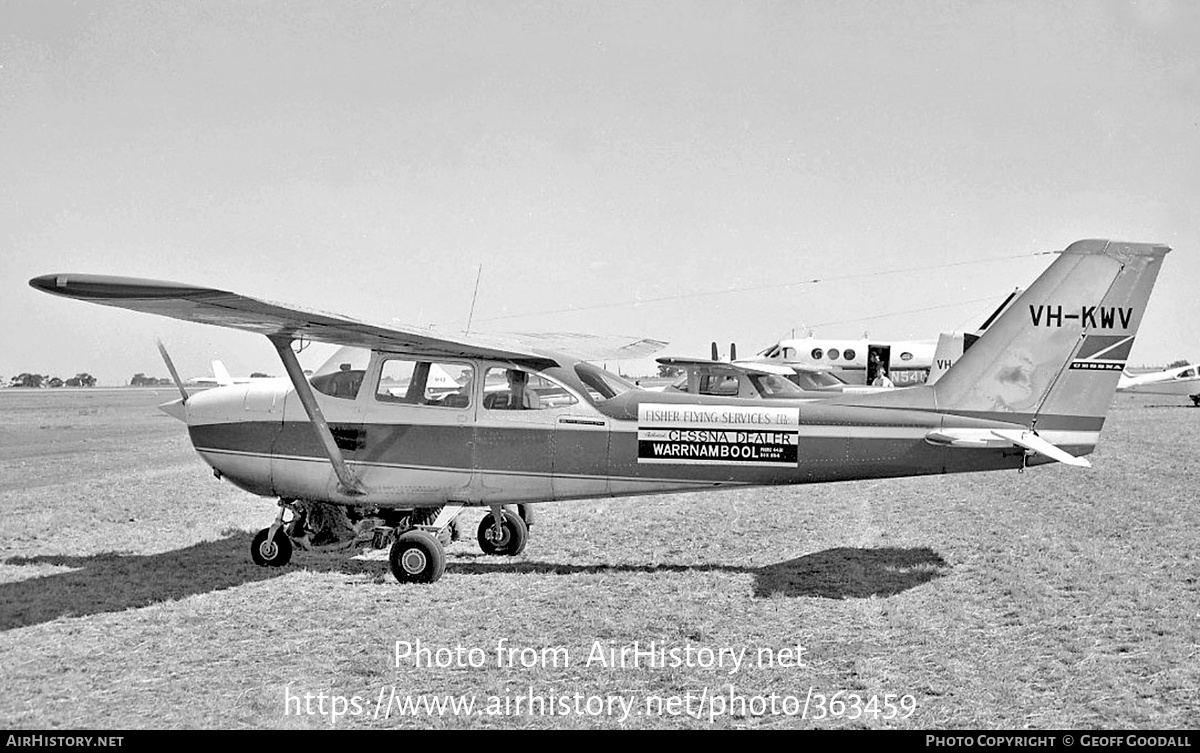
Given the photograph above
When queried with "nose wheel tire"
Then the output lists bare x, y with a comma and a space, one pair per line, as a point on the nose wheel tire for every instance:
267, 552
511, 539
417, 557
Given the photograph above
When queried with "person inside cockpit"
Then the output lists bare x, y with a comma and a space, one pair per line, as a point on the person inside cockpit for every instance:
520, 396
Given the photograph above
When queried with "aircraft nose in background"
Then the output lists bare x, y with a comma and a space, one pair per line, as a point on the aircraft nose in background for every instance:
175, 409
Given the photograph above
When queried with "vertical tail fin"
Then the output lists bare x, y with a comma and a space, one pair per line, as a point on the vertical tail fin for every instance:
1056, 354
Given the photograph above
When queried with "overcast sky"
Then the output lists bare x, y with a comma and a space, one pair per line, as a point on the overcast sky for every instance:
366, 158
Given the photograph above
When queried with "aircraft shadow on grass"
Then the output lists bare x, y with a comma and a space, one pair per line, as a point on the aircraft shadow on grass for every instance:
842, 573
114, 582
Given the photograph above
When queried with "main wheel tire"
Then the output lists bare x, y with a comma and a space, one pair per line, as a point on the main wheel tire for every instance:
417, 557
512, 539
273, 553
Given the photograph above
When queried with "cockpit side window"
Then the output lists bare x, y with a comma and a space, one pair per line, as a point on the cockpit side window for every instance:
723, 385
506, 388
443, 385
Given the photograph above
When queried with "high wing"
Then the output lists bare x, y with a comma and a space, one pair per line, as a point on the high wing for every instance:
225, 309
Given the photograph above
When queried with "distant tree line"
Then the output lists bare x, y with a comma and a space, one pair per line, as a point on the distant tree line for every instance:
26, 379
141, 380
36, 381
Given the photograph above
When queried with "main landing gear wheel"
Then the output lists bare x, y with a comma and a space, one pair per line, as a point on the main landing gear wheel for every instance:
267, 552
417, 557
511, 540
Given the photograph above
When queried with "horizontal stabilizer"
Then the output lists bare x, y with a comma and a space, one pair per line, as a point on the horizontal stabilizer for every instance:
997, 438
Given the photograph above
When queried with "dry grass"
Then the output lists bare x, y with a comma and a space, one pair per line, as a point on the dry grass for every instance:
1054, 599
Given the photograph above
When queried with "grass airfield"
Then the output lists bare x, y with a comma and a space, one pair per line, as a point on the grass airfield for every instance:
1057, 598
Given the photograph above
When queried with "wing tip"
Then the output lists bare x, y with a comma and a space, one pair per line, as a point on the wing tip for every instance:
101, 287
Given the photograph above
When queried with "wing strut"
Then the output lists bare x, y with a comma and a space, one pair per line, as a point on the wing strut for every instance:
347, 481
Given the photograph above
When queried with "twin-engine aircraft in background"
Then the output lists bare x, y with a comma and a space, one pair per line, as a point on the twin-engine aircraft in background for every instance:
907, 362
398, 465
1180, 381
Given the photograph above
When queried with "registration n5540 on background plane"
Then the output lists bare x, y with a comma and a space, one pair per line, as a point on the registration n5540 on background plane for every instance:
398, 465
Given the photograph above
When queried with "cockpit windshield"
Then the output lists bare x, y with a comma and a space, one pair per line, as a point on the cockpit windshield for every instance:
817, 380
773, 386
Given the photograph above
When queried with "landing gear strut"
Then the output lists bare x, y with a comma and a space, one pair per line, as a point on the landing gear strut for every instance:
272, 547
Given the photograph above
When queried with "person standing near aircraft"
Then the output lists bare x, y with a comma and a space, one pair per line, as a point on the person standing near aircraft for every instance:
882, 380
874, 367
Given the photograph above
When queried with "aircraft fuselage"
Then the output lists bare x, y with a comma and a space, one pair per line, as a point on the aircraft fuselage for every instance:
259, 437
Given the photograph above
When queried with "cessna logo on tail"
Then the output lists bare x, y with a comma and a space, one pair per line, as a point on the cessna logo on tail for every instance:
1096, 317
1103, 353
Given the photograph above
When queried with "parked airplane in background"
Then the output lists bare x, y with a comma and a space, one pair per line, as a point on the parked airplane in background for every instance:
221, 377
759, 380
399, 468
1182, 381
907, 362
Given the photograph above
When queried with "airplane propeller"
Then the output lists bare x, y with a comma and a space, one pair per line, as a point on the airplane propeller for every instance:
171, 368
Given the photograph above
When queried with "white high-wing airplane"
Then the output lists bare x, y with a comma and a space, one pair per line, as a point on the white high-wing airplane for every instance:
1182, 381
221, 377
399, 467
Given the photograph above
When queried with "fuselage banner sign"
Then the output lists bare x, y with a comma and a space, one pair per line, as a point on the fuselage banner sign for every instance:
717, 435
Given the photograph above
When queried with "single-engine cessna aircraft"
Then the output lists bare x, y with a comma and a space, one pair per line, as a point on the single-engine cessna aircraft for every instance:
401, 465
1180, 380
759, 380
